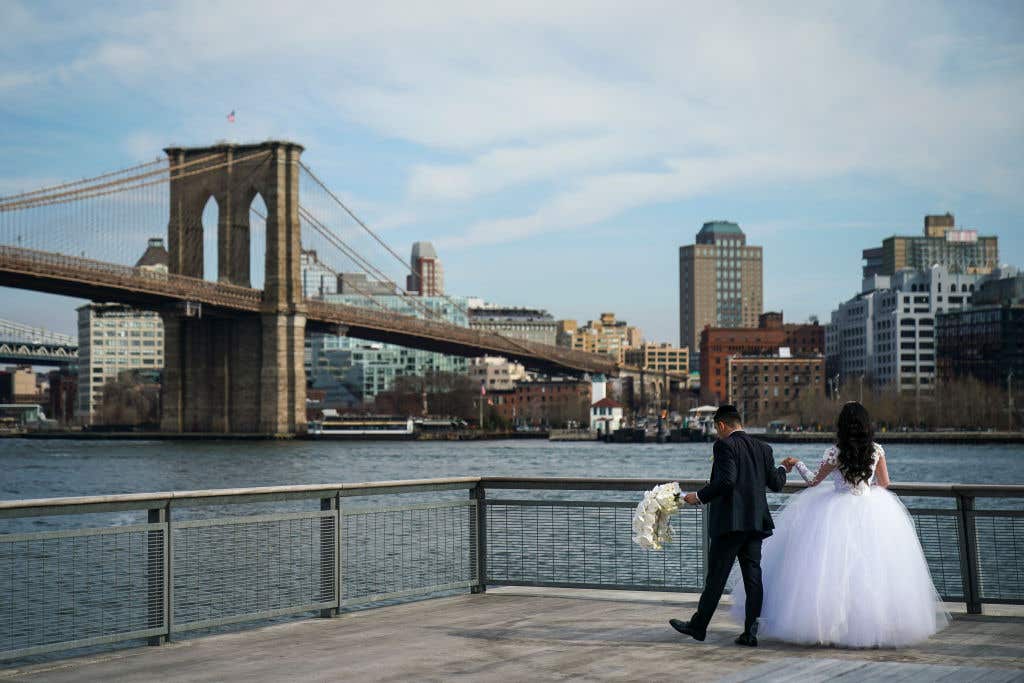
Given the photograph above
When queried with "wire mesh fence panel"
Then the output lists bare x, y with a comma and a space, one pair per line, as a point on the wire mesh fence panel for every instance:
940, 539
408, 550
1000, 555
588, 544
82, 587
233, 569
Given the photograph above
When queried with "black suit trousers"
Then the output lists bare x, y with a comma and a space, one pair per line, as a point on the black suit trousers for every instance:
724, 550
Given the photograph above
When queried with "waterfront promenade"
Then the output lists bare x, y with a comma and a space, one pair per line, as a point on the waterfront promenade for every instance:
528, 578
519, 634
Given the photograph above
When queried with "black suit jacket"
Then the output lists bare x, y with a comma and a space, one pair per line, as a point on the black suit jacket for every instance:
736, 498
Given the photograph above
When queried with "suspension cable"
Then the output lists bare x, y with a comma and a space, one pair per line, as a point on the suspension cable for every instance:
83, 181
408, 266
366, 266
94, 191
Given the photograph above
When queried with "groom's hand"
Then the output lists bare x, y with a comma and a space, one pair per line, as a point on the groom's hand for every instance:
692, 499
788, 463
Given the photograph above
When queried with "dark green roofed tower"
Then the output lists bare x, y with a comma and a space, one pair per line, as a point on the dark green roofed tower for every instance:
714, 232
719, 283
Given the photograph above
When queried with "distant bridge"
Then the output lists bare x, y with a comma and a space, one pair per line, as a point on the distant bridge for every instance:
25, 345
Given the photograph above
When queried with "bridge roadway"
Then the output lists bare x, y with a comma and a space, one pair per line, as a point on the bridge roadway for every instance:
101, 281
537, 634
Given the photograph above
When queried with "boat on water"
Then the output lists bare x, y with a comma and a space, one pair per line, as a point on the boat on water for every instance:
335, 426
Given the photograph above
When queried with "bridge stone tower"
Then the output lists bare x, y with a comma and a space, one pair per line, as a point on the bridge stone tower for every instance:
236, 373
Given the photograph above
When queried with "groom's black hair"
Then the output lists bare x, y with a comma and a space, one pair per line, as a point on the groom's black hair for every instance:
728, 414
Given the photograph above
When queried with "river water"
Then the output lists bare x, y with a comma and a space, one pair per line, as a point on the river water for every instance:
50, 468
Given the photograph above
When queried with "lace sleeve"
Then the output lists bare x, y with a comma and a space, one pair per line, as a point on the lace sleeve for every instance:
825, 467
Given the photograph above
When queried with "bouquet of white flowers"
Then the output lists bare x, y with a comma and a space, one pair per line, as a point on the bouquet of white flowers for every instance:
651, 529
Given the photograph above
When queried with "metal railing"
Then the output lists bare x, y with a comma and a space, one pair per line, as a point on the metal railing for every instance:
357, 316
44, 264
188, 565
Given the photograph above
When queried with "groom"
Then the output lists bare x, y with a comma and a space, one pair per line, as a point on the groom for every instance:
738, 521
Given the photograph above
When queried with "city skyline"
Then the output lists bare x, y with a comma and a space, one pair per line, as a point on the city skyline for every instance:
509, 147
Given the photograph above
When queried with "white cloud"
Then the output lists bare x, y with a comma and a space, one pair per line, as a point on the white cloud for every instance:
604, 107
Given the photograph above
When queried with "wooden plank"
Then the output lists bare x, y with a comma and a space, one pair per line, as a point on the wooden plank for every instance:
1000, 676
760, 670
809, 669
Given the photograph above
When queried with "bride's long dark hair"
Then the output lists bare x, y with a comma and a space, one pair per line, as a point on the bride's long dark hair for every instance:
855, 441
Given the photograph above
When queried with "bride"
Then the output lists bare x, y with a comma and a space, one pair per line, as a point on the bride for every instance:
844, 566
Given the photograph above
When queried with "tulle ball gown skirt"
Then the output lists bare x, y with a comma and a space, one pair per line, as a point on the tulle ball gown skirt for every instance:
845, 570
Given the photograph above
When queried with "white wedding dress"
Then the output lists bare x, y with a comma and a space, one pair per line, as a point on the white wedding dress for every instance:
845, 567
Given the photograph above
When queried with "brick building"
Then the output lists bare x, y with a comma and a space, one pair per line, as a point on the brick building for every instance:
551, 402
63, 391
766, 388
717, 344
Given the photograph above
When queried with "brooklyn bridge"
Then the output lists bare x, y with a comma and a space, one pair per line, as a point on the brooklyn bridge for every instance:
233, 347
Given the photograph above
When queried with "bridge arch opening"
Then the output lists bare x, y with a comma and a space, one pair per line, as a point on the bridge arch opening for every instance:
209, 223
257, 212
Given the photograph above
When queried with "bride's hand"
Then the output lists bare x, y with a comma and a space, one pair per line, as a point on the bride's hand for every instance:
789, 463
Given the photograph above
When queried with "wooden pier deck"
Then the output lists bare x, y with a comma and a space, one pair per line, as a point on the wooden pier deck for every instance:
534, 634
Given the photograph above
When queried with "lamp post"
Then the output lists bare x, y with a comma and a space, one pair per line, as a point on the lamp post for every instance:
833, 383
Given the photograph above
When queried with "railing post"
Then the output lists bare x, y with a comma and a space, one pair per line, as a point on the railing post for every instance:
968, 553
705, 544
158, 563
330, 552
478, 528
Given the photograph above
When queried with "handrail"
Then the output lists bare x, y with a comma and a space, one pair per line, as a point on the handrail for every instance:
68, 505
142, 501
611, 484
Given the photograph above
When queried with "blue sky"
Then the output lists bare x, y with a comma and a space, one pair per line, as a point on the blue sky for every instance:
557, 154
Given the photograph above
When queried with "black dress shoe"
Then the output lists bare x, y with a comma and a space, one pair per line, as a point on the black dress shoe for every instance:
687, 630
747, 639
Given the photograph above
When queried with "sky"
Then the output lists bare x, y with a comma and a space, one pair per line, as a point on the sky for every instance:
556, 154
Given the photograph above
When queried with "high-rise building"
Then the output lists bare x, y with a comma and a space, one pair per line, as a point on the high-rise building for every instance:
986, 341
113, 338
959, 250
318, 279
427, 277
720, 282
885, 335
607, 335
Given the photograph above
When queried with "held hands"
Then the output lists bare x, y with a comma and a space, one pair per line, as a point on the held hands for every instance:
789, 463
691, 499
